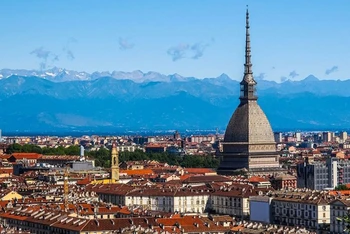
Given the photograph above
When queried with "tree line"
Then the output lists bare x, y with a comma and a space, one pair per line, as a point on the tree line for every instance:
102, 156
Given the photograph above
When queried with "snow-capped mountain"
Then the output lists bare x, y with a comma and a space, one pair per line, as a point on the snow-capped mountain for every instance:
54, 74
62, 75
64, 99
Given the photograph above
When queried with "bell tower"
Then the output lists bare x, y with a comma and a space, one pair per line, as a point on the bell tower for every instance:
114, 164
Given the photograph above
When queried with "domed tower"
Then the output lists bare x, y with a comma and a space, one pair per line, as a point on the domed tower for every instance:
249, 141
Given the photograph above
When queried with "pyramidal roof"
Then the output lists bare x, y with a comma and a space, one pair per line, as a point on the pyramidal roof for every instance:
248, 123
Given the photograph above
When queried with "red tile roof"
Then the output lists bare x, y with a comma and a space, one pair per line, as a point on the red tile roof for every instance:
257, 179
26, 155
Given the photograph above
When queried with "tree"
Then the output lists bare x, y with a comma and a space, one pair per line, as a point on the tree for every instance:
346, 220
102, 156
29, 148
72, 150
14, 148
341, 187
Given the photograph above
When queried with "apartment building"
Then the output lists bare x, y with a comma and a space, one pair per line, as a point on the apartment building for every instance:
186, 200
321, 175
169, 199
339, 209
327, 136
309, 209
313, 175
225, 199
311, 212
233, 200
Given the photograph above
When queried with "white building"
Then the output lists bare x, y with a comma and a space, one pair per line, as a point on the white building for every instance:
185, 199
298, 136
260, 209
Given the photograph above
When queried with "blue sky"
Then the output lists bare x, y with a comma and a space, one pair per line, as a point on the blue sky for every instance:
201, 38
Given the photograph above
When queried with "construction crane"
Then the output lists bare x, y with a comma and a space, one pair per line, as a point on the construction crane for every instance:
66, 188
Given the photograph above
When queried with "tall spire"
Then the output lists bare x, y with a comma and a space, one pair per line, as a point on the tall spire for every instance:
248, 63
248, 83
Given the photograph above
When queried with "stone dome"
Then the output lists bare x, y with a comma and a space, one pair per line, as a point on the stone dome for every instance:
249, 124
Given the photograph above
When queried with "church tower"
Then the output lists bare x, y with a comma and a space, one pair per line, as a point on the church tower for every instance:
249, 141
114, 164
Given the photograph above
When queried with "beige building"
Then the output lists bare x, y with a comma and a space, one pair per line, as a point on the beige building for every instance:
230, 202
200, 139
343, 136
338, 209
129, 148
301, 210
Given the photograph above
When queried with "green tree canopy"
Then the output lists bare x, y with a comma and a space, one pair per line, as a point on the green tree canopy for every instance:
102, 156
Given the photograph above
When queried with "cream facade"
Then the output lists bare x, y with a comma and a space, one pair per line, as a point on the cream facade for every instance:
184, 203
230, 205
309, 213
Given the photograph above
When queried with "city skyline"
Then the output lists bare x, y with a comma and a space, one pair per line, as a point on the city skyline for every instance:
201, 39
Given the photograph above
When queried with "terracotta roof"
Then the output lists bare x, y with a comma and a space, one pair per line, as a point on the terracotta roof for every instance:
341, 192
184, 177
193, 224
137, 172
257, 179
5, 156
8, 170
26, 155
198, 170
85, 181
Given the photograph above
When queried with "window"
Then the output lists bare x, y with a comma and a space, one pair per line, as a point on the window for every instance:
242, 90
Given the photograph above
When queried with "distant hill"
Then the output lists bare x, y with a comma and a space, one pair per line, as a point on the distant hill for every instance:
64, 100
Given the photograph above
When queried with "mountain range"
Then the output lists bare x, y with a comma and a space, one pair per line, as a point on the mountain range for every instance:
66, 100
